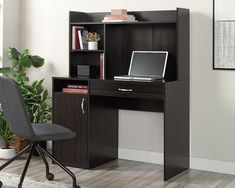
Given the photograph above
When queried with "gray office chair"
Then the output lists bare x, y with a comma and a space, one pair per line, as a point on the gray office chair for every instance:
16, 116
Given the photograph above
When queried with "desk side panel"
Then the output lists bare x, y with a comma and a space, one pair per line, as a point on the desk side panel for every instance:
103, 131
176, 128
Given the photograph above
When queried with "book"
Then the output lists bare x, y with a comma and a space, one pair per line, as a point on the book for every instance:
71, 86
82, 41
119, 18
102, 66
75, 39
118, 11
71, 90
107, 21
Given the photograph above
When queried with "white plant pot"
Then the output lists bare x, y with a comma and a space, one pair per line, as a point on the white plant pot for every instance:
7, 153
92, 45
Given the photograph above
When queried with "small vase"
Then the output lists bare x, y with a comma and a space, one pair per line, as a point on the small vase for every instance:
92, 45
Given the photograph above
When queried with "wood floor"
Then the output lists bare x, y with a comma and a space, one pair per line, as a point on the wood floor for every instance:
125, 174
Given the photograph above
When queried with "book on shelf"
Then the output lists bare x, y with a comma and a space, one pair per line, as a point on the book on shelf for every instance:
78, 38
102, 66
75, 39
74, 90
118, 11
74, 86
119, 15
82, 41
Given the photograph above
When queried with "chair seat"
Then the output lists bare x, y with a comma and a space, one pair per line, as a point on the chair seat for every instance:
47, 131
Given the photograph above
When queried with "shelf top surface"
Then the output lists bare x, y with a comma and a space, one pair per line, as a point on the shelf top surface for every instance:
124, 23
86, 78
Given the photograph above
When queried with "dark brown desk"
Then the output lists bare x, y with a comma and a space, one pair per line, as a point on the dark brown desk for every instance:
95, 116
97, 141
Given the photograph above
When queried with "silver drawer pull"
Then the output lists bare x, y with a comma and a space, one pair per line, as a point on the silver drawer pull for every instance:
126, 90
82, 105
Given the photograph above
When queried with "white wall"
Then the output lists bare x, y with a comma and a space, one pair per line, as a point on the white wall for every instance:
45, 31
10, 27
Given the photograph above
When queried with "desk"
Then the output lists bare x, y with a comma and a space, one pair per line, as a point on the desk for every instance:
99, 130
95, 116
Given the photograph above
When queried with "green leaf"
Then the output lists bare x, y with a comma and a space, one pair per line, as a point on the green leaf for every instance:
37, 61
45, 95
5, 70
25, 61
39, 86
13, 54
25, 53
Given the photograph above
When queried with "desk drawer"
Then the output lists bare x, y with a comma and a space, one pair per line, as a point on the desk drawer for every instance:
151, 90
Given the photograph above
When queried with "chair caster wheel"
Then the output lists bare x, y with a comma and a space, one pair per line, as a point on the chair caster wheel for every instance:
50, 176
1, 184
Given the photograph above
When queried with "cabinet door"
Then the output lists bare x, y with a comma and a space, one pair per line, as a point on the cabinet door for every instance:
70, 110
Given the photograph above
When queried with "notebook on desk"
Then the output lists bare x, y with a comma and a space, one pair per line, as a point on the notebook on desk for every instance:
146, 66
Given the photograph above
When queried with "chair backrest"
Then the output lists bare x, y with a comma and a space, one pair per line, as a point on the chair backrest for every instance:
14, 108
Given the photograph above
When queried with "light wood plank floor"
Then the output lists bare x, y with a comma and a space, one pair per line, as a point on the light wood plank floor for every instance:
125, 174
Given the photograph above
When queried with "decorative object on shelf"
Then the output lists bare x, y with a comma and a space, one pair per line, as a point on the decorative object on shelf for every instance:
92, 38
35, 95
119, 15
90, 71
6, 152
223, 35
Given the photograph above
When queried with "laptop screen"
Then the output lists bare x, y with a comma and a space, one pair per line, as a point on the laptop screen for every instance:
148, 63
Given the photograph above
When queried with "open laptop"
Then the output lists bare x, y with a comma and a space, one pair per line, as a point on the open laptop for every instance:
146, 66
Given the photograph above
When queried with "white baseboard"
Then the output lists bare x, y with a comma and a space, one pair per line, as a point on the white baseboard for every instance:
139, 155
49, 144
225, 167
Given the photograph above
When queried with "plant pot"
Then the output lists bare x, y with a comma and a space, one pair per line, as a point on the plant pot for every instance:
7, 153
19, 143
92, 45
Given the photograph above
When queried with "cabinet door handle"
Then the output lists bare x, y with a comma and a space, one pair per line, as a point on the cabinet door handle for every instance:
125, 90
82, 105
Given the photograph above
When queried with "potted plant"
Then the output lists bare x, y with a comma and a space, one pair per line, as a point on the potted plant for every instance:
92, 38
35, 95
6, 152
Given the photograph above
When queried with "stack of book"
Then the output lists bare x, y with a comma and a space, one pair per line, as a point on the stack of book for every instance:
78, 38
76, 89
119, 15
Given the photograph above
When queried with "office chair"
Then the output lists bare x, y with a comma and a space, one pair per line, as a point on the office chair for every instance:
17, 117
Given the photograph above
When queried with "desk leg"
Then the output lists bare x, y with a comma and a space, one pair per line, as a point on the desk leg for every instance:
103, 131
176, 128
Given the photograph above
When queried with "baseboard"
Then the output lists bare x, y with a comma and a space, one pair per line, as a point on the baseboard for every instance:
225, 167
49, 144
139, 155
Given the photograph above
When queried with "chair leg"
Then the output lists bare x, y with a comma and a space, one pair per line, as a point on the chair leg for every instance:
49, 175
26, 166
61, 166
16, 157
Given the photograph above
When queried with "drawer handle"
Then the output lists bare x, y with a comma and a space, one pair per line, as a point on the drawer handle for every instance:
82, 105
125, 90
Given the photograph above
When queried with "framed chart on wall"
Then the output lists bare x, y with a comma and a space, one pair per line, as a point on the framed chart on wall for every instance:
224, 34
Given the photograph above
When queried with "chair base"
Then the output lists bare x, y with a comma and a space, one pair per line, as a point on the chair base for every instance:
34, 146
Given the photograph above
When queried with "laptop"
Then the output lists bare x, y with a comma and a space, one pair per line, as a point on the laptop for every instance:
146, 66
